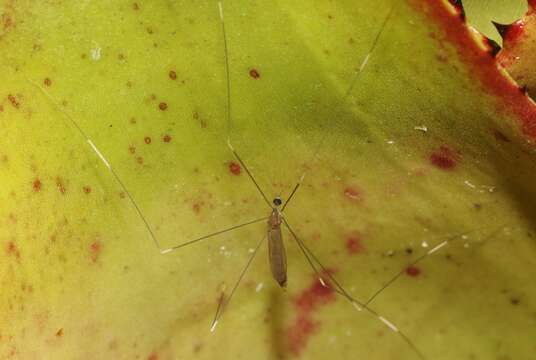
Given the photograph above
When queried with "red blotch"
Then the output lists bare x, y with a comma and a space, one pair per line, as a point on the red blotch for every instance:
7, 21
166, 138
354, 245
162, 106
47, 82
196, 207
254, 73
413, 271
444, 158
60, 185
13, 100
317, 294
304, 326
173, 75
94, 251
514, 32
12, 249
147, 140
299, 333
87, 189
37, 185
481, 65
153, 356
352, 193
235, 168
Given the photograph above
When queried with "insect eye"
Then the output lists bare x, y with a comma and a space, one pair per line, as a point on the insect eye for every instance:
277, 201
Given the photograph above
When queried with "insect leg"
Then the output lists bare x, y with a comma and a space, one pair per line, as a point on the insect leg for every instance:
347, 94
124, 188
339, 289
228, 114
173, 248
436, 248
222, 304
103, 159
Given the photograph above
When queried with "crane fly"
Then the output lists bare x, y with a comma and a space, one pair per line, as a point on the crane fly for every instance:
275, 220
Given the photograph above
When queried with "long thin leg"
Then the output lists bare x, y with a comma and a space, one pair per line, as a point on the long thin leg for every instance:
124, 188
173, 248
222, 304
424, 256
347, 94
228, 114
319, 269
103, 159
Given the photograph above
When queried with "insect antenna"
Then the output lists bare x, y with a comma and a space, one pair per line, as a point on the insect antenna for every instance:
320, 269
428, 253
228, 112
346, 94
223, 302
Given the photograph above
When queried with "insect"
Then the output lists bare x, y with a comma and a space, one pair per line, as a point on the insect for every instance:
275, 222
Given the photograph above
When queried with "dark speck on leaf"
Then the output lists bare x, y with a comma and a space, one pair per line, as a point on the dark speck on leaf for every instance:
254, 73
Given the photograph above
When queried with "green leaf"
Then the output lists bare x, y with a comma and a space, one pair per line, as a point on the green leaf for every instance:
433, 143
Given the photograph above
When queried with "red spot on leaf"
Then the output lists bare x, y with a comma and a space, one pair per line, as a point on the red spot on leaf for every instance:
47, 82
162, 106
59, 333
87, 189
352, 193
13, 250
172, 75
37, 185
413, 271
196, 207
147, 140
299, 333
94, 251
444, 158
234, 168
132, 149
317, 294
354, 245
13, 100
304, 326
166, 138
254, 73
153, 356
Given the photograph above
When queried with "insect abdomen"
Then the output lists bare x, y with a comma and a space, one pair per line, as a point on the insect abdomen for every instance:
276, 250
